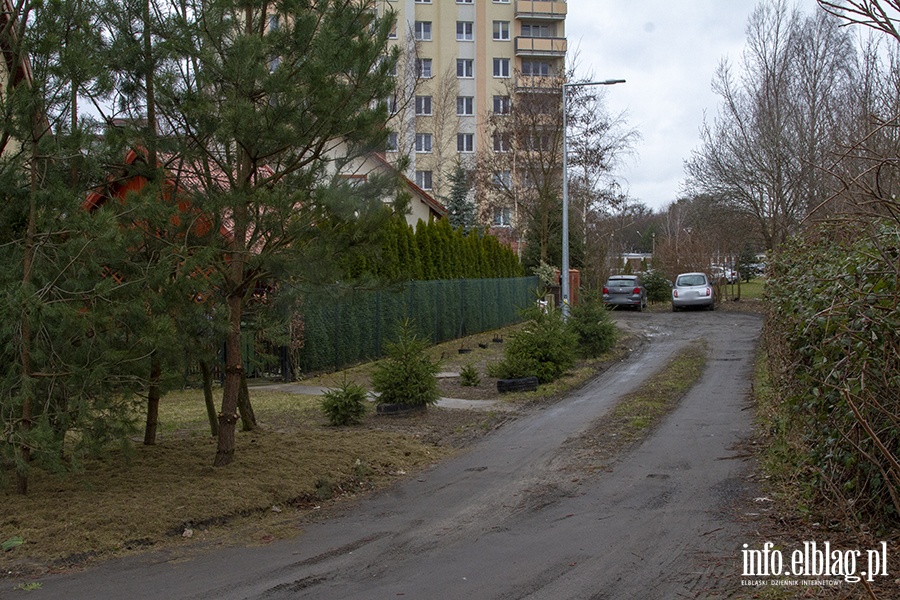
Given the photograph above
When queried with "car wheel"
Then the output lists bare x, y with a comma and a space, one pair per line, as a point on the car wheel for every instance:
711, 307
674, 308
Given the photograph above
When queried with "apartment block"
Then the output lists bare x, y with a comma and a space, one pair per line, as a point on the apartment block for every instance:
463, 61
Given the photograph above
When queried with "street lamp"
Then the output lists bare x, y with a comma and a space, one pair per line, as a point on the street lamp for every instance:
565, 196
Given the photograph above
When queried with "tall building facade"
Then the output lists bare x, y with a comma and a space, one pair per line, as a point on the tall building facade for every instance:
463, 62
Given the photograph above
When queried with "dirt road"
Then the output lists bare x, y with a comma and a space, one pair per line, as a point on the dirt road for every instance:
510, 518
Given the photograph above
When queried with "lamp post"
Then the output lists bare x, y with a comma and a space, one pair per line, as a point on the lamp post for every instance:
565, 196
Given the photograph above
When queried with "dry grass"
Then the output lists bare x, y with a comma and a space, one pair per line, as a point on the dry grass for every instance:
479, 350
148, 496
634, 417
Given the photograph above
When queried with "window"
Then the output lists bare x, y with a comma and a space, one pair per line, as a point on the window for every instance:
423, 105
354, 181
502, 217
537, 31
503, 179
274, 22
465, 68
393, 34
501, 142
501, 105
465, 106
464, 2
501, 67
423, 179
501, 1
423, 142
538, 141
501, 30
465, 142
424, 67
535, 68
465, 31
393, 144
392, 104
423, 1
423, 31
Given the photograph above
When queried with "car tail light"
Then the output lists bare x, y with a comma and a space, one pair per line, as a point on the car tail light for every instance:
708, 291
606, 290
636, 291
674, 293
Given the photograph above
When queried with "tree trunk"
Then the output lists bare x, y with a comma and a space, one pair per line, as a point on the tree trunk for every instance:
248, 418
208, 397
25, 352
153, 395
234, 368
545, 235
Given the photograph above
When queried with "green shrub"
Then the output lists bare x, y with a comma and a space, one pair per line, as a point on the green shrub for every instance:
589, 321
407, 375
346, 404
544, 348
833, 342
468, 376
657, 286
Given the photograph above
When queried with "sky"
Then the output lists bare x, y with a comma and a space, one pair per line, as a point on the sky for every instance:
668, 52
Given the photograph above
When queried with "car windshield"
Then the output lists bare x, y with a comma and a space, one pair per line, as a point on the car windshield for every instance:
689, 280
620, 283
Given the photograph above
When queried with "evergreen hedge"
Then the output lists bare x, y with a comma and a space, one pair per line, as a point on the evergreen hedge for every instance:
833, 338
435, 250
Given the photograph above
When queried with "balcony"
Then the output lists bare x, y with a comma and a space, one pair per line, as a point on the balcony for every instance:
540, 9
551, 47
536, 83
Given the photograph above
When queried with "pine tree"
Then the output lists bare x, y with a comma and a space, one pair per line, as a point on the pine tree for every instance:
56, 334
460, 209
271, 92
157, 261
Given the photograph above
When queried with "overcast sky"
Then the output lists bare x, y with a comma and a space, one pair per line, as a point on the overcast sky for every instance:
667, 51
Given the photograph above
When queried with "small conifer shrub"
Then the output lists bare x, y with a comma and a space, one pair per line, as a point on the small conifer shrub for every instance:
346, 404
408, 375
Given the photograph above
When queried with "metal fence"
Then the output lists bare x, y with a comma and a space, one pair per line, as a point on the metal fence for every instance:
349, 326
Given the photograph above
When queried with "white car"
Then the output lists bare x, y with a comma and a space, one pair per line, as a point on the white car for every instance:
723, 273
693, 289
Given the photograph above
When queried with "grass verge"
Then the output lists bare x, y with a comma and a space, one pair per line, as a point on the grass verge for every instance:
791, 516
635, 416
150, 496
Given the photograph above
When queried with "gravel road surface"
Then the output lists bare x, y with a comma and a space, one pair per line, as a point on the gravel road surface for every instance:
511, 517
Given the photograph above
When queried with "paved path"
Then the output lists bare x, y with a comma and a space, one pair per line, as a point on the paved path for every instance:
512, 518
460, 403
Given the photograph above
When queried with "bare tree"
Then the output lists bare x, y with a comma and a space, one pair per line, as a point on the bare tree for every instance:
444, 125
522, 172
777, 121
883, 15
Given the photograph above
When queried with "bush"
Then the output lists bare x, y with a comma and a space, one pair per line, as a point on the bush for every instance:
346, 404
657, 286
590, 322
407, 375
833, 341
468, 376
544, 348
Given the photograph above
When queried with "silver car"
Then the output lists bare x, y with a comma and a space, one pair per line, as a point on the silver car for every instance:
625, 290
693, 289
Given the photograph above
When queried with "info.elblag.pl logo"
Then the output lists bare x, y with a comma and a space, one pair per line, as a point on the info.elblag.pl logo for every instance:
813, 560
